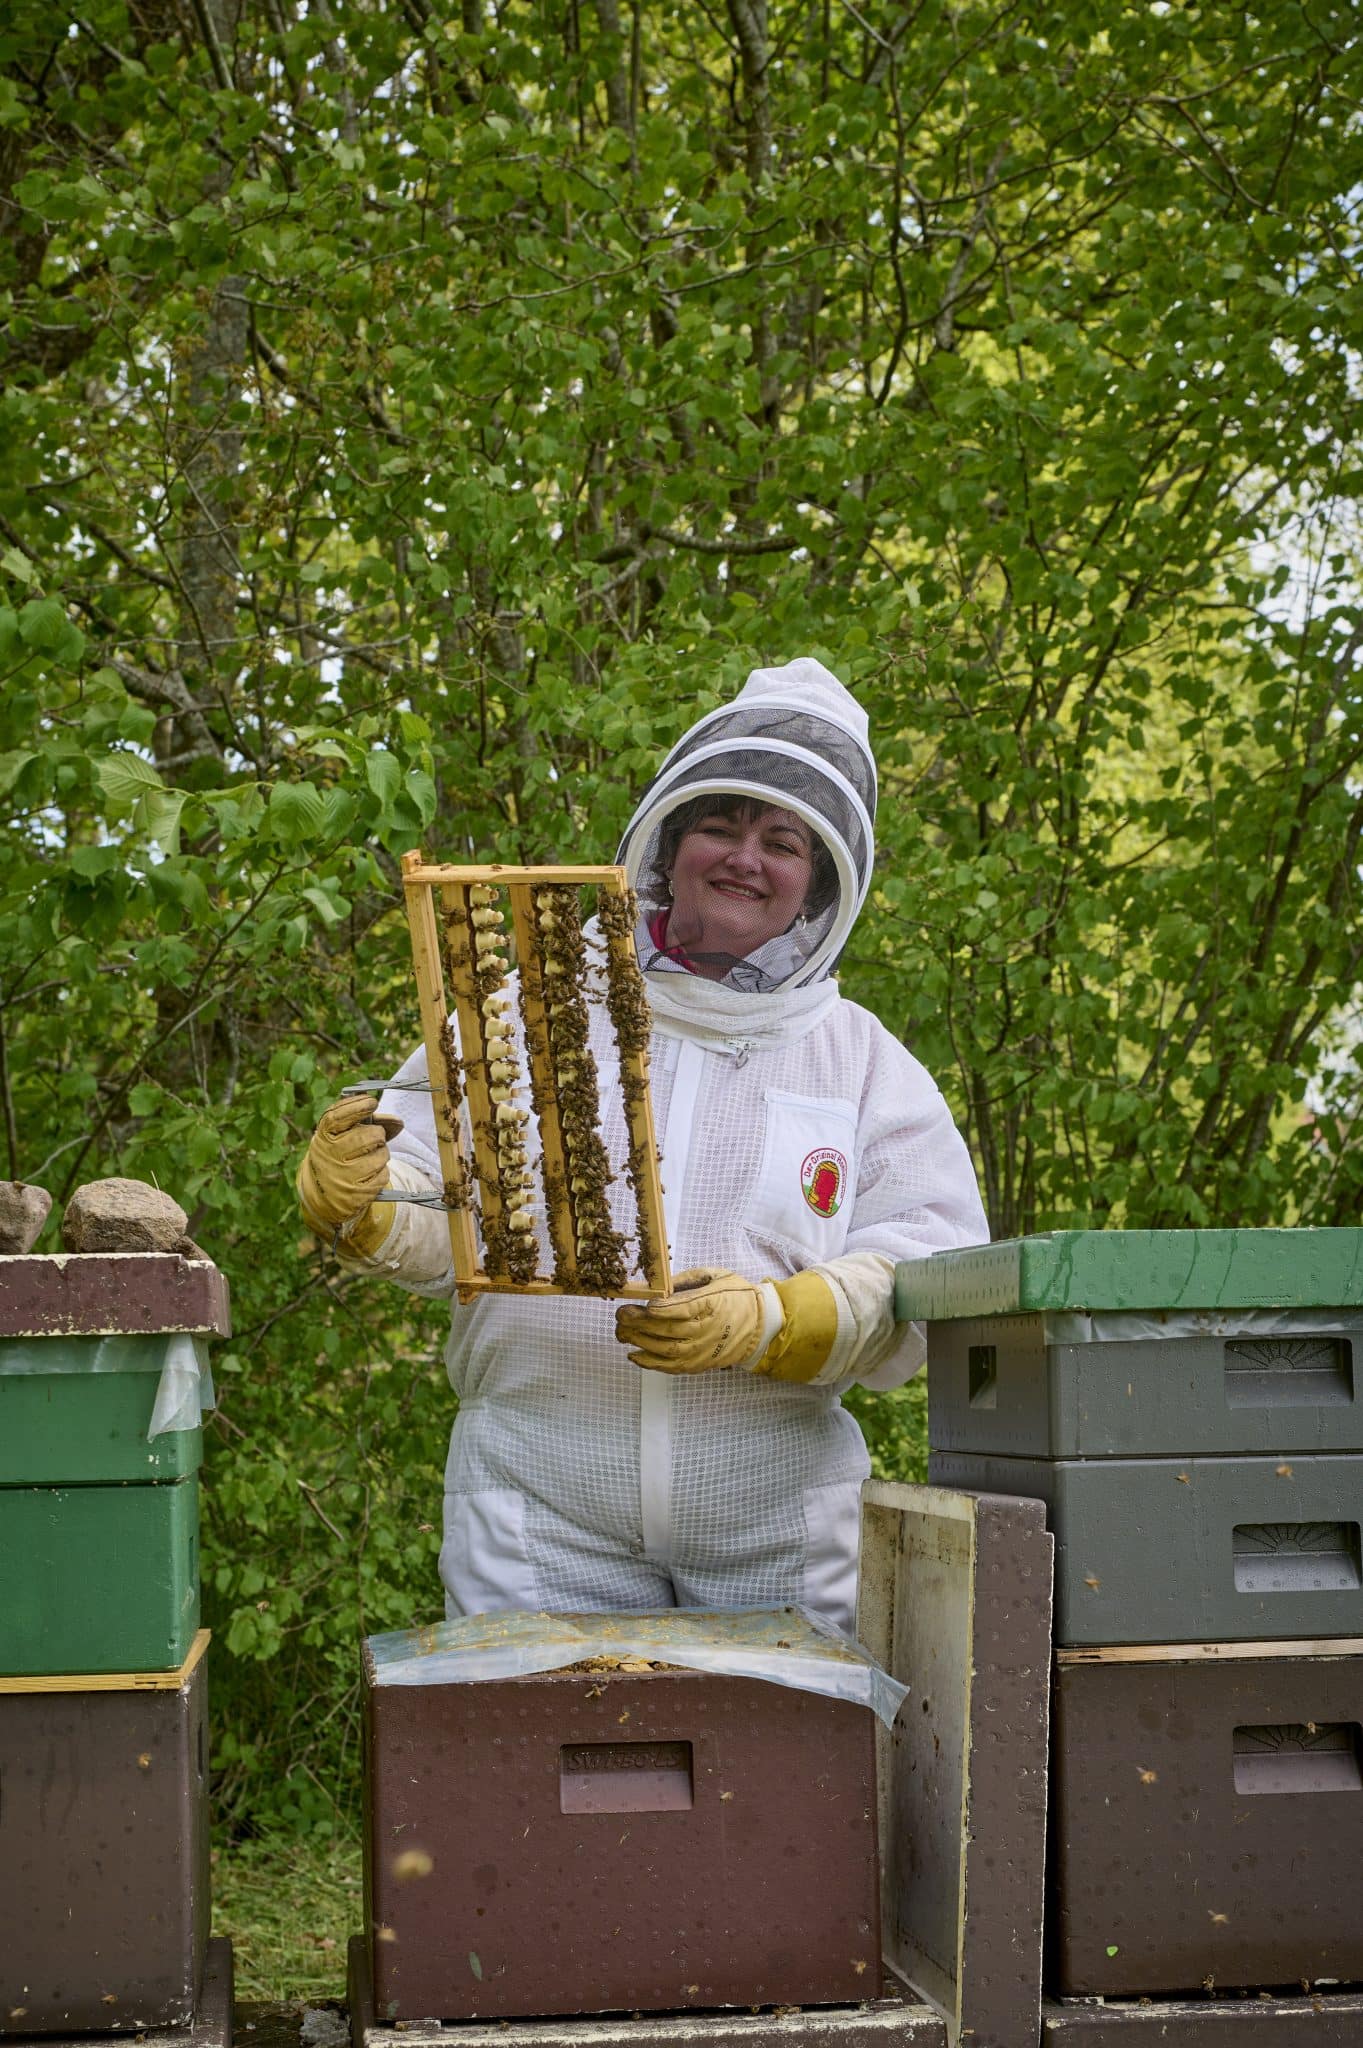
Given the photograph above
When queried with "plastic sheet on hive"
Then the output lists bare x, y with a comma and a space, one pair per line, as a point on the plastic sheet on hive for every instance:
1134, 1326
782, 1644
184, 1391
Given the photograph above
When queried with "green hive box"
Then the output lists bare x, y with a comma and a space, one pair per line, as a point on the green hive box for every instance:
1136, 1269
99, 1525
75, 1411
98, 1578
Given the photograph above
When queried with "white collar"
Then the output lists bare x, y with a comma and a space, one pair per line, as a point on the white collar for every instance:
688, 1006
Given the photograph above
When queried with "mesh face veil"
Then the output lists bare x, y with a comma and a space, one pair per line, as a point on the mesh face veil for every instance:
793, 737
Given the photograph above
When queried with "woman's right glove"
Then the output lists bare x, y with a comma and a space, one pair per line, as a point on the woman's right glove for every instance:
344, 1167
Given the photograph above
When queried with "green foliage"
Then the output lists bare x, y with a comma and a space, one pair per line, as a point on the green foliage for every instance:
895, 1427
411, 423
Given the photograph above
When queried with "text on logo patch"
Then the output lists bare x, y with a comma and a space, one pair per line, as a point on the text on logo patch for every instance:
823, 1178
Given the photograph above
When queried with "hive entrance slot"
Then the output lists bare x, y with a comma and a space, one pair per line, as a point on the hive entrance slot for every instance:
983, 1365
1310, 1756
625, 1777
1289, 1372
1297, 1557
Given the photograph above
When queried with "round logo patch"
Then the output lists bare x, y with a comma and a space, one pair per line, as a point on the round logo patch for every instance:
823, 1177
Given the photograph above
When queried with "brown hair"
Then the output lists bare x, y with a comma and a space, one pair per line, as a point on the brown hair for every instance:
657, 883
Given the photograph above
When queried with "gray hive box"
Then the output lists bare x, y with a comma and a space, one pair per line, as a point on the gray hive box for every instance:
1143, 1343
104, 1877
1072, 1384
1167, 1550
1206, 1818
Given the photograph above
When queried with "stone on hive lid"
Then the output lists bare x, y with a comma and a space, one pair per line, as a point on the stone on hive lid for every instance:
23, 1212
123, 1216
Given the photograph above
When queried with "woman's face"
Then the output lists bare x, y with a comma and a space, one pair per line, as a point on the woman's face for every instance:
737, 882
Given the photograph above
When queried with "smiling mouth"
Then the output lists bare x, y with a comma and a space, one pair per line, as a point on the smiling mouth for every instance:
739, 892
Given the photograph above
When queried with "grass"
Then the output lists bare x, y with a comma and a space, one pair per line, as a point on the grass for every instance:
289, 1903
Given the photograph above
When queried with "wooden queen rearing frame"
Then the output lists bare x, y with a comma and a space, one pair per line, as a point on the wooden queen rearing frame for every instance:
460, 943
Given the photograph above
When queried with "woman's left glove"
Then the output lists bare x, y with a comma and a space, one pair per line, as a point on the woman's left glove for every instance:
780, 1330
712, 1319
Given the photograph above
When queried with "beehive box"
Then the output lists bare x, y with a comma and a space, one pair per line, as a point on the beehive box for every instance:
99, 1567
1207, 1818
1067, 1384
98, 1578
576, 1842
76, 1411
1133, 1270
104, 1894
83, 1343
1161, 1550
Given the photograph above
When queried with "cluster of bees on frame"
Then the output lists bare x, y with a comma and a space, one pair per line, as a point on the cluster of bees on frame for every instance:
590, 1255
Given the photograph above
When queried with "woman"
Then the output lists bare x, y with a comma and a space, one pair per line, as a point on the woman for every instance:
804, 1152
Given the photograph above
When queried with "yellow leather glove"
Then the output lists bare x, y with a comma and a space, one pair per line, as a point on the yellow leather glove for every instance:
712, 1319
344, 1167
809, 1325
716, 1319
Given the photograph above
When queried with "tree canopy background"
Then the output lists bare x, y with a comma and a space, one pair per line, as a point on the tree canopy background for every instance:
414, 416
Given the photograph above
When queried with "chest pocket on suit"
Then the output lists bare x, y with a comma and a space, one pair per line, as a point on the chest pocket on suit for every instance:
807, 1179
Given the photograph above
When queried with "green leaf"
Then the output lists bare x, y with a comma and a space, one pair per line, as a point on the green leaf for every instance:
158, 815
16, 563
296, 811
12, 766
383, 773
44, 626
125, 779
327, 908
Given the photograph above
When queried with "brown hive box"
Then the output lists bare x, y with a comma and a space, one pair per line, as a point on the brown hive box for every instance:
104, 1897
601, 1841
1207, 1818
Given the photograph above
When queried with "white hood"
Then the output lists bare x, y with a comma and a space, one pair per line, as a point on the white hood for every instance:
793, 736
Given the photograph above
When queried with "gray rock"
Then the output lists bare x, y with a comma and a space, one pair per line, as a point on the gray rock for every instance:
122, 1216
23, 1212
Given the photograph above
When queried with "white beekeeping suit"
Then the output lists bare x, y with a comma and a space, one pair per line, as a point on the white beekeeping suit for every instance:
796, 1133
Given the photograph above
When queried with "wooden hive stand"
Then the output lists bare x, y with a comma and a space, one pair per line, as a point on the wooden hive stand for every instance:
457, 917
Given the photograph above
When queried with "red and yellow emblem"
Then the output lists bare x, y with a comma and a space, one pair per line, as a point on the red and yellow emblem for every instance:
823, 1180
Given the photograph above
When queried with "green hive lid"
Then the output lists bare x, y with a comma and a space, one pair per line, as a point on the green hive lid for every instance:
1117, 1269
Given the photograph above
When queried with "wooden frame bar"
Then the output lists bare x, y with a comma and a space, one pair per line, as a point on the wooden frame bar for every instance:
462, 1075
430, 988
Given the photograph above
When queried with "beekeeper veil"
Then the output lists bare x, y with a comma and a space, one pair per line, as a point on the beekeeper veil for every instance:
793, 737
